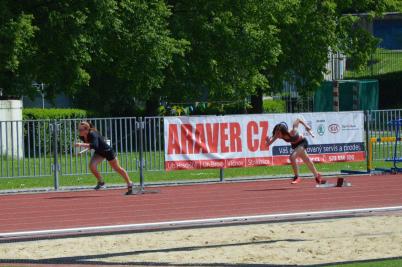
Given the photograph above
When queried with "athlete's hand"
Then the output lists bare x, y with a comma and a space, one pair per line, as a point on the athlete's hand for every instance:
78, 144
311, 132
267, 140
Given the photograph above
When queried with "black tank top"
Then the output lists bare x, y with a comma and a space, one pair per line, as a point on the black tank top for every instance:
97, 142
293, 139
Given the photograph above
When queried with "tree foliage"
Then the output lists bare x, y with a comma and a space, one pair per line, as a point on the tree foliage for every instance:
16, 51
232, 44
113, 55
132, 47
105, 53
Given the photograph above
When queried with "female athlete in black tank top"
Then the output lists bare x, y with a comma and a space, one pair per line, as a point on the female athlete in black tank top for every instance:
299, 145
93, 140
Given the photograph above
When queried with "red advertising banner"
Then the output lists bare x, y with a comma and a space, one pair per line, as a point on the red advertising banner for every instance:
239, 141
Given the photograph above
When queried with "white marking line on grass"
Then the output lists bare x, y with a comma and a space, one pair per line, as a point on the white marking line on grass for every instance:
199, 222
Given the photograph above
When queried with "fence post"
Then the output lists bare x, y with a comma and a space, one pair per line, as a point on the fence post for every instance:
221, 174
372, 64
55, 155
335, 95
141, 128
368, 143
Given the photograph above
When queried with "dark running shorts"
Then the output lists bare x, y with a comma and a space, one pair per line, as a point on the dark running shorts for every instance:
109, 155
302, 143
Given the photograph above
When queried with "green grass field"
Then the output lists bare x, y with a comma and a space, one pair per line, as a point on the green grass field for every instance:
382, 62
375, 263
154, 173
173, 176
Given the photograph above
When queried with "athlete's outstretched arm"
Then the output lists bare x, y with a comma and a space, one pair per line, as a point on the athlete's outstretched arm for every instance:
85, 145
302, 122
269, 140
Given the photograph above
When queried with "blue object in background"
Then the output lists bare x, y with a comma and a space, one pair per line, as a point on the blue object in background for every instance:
390, 31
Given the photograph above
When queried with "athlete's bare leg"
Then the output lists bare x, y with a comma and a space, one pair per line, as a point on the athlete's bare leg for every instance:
116, 166
93, 166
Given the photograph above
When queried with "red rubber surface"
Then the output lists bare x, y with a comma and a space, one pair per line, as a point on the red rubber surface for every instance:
46, 211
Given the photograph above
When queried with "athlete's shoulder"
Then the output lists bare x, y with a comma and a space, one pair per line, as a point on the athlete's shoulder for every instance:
94, 134
293, 132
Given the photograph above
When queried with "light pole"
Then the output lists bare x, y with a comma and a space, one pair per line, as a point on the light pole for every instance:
41, 89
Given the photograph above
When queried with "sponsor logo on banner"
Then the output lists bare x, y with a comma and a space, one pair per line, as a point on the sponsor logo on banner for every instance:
321, 129
334, 128
349, 127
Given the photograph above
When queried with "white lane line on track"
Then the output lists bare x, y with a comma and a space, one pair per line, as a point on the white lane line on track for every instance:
196, 222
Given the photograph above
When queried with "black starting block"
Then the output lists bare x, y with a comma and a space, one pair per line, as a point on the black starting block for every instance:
340, 182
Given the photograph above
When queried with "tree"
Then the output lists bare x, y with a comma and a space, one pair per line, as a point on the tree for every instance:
312, 28
16, 52
115, 55
231, 44
307, 33
104, 53
53, 43
244, 48
133, 48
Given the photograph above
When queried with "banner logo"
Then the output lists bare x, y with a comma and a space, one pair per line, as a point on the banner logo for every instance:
321, 130
334, 128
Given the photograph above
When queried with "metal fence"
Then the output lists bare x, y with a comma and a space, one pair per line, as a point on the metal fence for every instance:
294, 101
45, 148
335, 67
379, 126
381, 62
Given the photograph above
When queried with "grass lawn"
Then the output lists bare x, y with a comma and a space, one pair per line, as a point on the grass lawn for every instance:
173, 176
78, 166
375, 263
382, 62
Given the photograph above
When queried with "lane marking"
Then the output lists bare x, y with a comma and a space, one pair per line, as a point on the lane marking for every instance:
196, 222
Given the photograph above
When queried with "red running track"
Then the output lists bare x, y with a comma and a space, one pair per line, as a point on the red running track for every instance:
48, 211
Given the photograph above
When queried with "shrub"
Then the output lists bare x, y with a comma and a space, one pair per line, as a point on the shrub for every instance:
53, 113
274, 106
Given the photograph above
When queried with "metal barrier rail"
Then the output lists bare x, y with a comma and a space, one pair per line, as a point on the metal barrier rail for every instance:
380, 129
26, 148
43, 148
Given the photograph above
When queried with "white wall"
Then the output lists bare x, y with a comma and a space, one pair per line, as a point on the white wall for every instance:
11, 131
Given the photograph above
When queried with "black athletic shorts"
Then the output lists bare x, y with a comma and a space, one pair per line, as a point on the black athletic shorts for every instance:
109, 155
303, 143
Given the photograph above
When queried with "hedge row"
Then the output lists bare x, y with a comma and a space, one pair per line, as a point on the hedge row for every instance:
274, 106
270, 106
53, 113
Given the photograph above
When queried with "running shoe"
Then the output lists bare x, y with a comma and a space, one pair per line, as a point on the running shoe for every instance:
129, 189
296, 180
100, 185
319, 180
